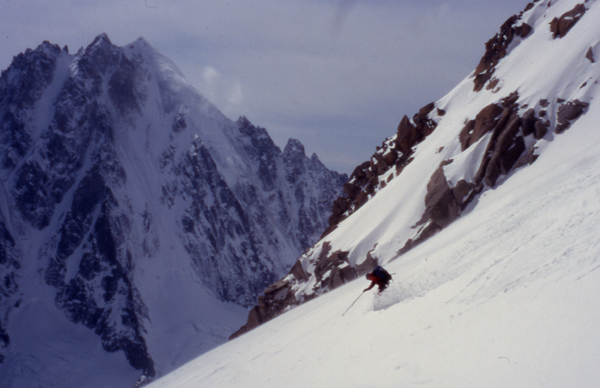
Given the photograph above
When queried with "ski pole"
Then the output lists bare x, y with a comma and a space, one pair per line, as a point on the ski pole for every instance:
361, 294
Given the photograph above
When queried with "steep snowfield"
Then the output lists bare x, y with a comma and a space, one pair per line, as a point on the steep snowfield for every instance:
539, 67
505, 296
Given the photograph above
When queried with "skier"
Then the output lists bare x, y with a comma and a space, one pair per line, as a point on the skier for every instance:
379, 277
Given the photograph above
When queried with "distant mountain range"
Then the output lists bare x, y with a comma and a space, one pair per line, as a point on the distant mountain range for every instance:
136, 221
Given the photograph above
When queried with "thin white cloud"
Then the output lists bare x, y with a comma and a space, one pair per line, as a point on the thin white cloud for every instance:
226, 93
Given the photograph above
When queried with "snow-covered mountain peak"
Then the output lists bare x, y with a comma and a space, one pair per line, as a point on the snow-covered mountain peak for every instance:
294, 147
134, 213
143, 53
101, 39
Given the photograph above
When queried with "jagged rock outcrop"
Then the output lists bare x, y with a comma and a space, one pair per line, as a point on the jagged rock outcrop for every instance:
329, 269
561, 26
498, 47
590, 55
506, 149
569, 112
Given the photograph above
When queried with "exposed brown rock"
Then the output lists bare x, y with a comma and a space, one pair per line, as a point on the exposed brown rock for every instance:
499, 158
512, 154
505, 150
464, 192
528, 7
496, 49
425, 126
485, 121
528, 122
298, 272
540, 128
441, 208
527, 158
407, 135
351, 189
511, 99
361, 199
493, 83
274, 300
331, 271
440, 205
567, 113
505, 146
571, 110
465, 135
590, 55
561, 26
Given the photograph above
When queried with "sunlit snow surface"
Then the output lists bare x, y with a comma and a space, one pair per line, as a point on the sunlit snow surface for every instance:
506, 296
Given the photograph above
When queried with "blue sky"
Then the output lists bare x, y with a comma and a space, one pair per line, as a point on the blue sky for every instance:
337, 75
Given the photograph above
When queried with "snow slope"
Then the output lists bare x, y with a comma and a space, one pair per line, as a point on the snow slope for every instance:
506, 295
473, 141
539, 67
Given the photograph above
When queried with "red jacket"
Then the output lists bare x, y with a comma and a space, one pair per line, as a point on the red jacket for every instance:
376, 281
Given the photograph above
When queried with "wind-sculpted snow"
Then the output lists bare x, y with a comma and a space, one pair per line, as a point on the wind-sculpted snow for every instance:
131, 207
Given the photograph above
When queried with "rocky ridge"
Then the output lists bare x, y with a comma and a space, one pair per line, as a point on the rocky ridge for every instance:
504, 135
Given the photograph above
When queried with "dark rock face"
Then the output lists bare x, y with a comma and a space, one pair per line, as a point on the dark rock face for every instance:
9, 278
590, 55
497, 48
482, 124
216, 213
100, 295
569, 112
101, 292
561, 26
